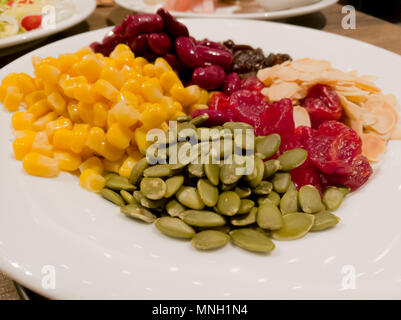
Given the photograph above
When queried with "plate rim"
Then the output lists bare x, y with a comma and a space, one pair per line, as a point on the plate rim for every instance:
268, 15
18, 275
61, 26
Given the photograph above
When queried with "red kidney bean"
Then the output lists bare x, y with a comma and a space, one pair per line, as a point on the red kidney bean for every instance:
159, 42
140, 45
209, 78
216, 56
175, 63
172, 26
212, 44
188, 53
231, 83
144, 23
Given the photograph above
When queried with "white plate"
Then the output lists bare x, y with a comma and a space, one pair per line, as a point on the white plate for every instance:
83, 10
229, 11
98, 253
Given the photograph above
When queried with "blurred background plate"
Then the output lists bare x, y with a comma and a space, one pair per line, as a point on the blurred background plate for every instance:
243, 9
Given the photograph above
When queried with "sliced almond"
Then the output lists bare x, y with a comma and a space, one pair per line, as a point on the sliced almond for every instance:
374, 101
354, 124
385, 120
311, 66
288, 74
301, 117
372, 146
396, 133
366, 85
281, 90
351, 109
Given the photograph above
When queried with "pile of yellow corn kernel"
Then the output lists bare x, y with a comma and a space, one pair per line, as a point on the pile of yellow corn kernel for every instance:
84, 111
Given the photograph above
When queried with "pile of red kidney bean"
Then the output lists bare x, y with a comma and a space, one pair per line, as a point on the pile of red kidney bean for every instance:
205, 63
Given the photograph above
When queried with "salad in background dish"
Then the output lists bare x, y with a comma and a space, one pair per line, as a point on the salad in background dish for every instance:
20, 16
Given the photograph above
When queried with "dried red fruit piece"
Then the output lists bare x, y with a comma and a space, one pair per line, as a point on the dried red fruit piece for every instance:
322, 104
252, 83
219, 101
306, 174
216, 117
247, 106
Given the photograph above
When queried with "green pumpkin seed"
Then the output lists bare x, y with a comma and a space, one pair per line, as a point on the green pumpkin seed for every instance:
202, 218
109, 176
174, 227
252, 240
281, 182
228, 187
128, 197
332, 198
292, 159
148, 203
237, 126
153, 188
229, 203
157, 171
289, 202
292, 187
174, 208
185, 130
222, 149
264, 188
212, 172
258, 171
243, 192
173, 184
116, 182
189, 197
210, 239
295, 226
268, 146
208, 192
199, 119
274, 197
269, 217
196, 169
112, 196
137, 171
228, 173
182, 118
245, 206
245, 220
324, 220
244, 141
136, 211
309, 199
271, 167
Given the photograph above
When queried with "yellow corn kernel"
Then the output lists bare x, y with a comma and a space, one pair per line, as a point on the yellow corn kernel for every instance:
60, 123
95, 138
179, 114
79, 136
48, 73
111, 166
85, 111
22, 120
130, 98
186, 96
168, 104
100, 111
23, 133
161, 66
87, 153
83, 52
13, 98
168, 79
198, 106
49, 88
92, 180
128, 164
68, 84
149, 70
3, 92
107, 90
62, 139
153, 116
34, 97
39, 83
132, 85
40, 124
22, 146
67, 161
57, 102
90, 67
93, 163
151, 90
110, 152
40, 108
37, 164
73, 111
204, 97
119, 136
113, 76
122, 55
85, 93
124, 114
10, 80
26, 83
66, 61
140, 140
164, 126
41, 144
140, 62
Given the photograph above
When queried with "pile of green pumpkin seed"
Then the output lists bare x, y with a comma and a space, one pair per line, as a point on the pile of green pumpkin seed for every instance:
212, 204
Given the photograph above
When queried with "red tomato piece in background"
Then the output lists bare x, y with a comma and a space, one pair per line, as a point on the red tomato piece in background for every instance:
31, 22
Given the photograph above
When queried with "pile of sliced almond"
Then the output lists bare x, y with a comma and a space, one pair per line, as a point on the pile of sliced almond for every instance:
372, 114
